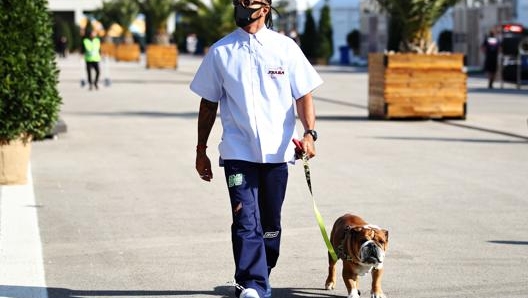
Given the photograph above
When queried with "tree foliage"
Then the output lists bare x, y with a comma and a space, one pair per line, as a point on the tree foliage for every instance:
121, 12
158, 12
209, 22
354, 40
416, 18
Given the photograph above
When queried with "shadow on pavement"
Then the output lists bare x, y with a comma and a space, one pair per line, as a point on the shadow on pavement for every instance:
509, 242
221, 291
497, 141
494, 131
505, 90
341, 102
150, 114
137, 81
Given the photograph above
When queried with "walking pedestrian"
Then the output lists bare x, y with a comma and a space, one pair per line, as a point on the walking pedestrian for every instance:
491, 47
92, 57
259, 78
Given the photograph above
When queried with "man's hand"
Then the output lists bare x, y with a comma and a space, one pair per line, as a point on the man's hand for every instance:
203, 166
308, 145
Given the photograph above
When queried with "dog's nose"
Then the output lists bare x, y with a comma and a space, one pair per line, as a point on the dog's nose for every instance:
372, 250
373, 253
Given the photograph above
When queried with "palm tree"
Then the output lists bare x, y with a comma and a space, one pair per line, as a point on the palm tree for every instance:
157, 13
209, 22
122, 12
415, 18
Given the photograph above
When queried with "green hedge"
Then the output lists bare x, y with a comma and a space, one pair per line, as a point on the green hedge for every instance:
29, 99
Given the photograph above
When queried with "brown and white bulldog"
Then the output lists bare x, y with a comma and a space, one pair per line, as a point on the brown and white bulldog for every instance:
362, 248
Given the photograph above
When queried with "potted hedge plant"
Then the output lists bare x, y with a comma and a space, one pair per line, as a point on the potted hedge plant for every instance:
416, 81
160, 53
29, 99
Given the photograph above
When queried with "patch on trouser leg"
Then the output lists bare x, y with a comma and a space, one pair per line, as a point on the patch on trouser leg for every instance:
271, 234
235, 180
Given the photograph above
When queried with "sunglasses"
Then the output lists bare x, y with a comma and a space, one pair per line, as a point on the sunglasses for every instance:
248, 3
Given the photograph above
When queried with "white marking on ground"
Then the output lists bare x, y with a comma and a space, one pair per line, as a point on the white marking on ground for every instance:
21, 266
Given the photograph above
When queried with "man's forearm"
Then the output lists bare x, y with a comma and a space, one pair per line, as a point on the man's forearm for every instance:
206, 120
306, 111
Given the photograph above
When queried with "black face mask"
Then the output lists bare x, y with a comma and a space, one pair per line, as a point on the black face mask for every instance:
243, 15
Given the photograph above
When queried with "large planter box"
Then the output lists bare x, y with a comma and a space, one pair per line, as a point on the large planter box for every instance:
108, 49
162, 56
128, 52
14, 161
417, 86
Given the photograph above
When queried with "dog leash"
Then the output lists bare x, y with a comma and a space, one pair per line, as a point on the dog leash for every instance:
318, 216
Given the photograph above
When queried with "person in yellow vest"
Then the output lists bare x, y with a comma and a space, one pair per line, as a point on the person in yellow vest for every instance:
92, 57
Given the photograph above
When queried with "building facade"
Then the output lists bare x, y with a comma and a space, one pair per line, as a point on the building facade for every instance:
73, 10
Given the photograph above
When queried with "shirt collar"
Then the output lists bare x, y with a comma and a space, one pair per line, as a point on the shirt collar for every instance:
261, 36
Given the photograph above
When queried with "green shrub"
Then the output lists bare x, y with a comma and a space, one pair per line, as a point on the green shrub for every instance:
29, 100
445, 41
354, 41
308, 38
325, 34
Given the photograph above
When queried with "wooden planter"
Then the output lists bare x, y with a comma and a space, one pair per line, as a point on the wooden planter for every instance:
108, 49
162, 56
417, 86
14, 160
128, 52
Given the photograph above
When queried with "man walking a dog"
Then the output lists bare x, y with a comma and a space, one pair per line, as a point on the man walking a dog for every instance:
259, 78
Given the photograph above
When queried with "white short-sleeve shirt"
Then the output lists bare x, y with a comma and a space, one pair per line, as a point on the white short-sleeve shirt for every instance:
256, 79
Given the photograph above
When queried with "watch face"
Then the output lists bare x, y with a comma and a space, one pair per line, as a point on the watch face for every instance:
313, 133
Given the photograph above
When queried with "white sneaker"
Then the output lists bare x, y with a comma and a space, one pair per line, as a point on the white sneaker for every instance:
249, 293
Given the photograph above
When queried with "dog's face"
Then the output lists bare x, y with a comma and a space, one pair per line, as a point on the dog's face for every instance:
367, 244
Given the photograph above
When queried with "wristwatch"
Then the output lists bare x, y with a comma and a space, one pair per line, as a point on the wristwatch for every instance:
311, 132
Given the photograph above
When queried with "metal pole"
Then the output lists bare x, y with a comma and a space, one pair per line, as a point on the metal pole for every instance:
501, 61
519, 66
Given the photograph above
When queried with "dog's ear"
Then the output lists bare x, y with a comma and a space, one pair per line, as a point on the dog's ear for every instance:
386, 232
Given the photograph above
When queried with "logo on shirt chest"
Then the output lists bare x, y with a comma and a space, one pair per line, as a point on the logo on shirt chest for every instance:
275, 72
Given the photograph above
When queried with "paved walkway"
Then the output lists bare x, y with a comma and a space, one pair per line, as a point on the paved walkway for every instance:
122, 213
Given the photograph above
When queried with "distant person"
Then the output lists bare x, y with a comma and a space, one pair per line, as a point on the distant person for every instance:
92, 57
62, 46
295, 36
491, 47
192, 43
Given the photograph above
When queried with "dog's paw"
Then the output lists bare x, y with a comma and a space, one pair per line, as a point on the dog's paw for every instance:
353, 294
377, 295
330, 286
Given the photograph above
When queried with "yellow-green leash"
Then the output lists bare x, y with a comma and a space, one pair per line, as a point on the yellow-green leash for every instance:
318, 216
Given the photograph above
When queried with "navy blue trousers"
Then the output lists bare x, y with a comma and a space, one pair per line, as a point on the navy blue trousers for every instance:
257, 193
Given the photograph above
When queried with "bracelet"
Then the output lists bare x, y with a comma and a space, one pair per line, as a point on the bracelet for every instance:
201, 147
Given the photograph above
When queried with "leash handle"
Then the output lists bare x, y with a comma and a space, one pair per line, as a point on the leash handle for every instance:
318, 216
